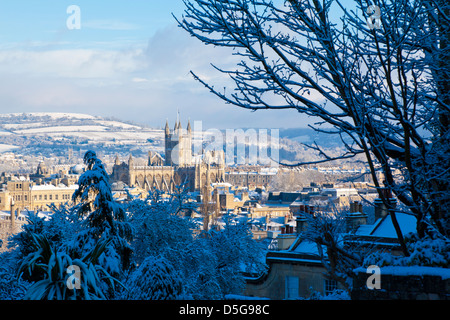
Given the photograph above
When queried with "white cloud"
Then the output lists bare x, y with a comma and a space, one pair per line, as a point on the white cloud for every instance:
146, 84
139, 80
76, 63
109, 25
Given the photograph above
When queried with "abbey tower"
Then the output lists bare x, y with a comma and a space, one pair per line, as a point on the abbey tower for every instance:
177, 166
178, 145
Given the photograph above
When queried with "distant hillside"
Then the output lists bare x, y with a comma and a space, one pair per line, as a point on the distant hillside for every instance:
38, 133
54, 134
309, 136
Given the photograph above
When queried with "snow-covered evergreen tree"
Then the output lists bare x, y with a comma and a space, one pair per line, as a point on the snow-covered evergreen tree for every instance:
104, 218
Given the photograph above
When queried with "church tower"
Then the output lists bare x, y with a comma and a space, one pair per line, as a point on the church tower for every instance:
167, 145
178, 145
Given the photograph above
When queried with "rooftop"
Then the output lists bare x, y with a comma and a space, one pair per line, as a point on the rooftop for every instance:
50, 187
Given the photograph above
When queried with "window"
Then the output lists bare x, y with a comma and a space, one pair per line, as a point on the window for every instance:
330, 285
40, 197
50, 197
291, 287
45, 197
56, 197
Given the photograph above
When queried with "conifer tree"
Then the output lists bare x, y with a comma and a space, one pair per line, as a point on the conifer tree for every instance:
104, 218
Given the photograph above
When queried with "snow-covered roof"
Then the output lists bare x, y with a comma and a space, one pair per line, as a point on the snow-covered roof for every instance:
384, 227
444, 273
50, 187
24, 214
306, 247
221, 184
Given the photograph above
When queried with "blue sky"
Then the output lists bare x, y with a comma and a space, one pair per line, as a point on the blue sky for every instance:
129, 60
28, 21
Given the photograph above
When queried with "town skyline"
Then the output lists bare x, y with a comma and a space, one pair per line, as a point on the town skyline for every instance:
224, 150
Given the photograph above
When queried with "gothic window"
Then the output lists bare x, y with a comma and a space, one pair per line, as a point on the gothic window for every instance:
177, 179
203, 179
140, 181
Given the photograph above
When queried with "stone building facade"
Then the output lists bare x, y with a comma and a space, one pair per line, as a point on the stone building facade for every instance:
28, 196
10, 224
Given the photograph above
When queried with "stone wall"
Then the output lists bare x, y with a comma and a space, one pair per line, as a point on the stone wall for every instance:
411, 286
8, 229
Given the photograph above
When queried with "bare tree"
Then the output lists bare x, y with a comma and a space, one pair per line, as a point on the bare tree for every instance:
326, 231
375, 72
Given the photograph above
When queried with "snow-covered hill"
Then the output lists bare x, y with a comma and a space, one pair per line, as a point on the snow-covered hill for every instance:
54, 134
31, 131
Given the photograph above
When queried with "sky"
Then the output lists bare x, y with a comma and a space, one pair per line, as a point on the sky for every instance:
127, 60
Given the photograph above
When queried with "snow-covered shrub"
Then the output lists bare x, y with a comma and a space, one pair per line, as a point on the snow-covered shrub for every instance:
61, 226
212, 265
430, 252
157, 226
23, 240
337, 294
11, 287
155, 279
49, 268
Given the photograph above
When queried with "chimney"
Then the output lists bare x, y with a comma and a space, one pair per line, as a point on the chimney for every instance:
355, 217
381, 210
289, 229
13, 215
355, 207
301, 223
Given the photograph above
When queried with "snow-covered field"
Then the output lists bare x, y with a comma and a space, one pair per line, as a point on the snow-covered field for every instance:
60, 129
53, 115
7, 147
66, 126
